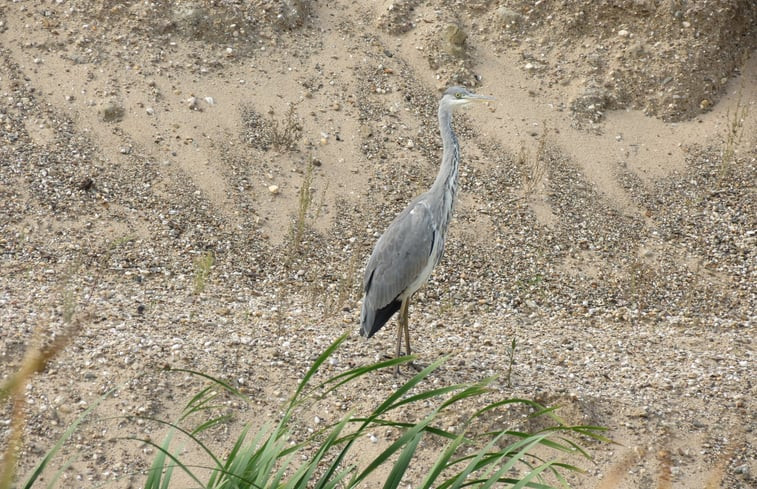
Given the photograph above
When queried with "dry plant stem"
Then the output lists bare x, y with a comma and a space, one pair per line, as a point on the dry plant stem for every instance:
35, 361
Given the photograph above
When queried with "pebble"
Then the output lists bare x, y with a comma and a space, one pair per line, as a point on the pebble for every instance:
112, 112
273, 189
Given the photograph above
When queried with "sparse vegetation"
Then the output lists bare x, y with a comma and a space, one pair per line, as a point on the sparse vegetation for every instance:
510, 363
533, 167
299, 225
13, 390
203, 264
269, 459
733, 137
272, 133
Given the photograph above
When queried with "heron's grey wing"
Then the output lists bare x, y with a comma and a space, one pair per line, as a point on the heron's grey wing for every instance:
398, 259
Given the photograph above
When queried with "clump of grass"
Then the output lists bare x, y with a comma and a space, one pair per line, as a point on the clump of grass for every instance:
203, 264
510, 363
270, 459
267, 459
272, 133
286, 132
299, 225
733, 138
533, 167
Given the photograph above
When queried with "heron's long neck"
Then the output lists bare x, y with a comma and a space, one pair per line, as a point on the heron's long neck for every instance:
445, 184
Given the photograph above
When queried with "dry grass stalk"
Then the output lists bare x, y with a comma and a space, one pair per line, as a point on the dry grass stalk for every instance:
35, 360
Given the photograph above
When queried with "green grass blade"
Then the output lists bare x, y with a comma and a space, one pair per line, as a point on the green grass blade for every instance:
54, 479
305, 474
400, 466
396, 398
316, 365
210, 423
394, 447
225, 385
475, 463
532, 474
155, 472
442, 461
189, 434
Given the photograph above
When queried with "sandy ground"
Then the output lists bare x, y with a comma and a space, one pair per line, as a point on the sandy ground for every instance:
200, 185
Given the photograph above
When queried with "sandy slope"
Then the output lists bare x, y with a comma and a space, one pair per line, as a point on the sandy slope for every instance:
597, 223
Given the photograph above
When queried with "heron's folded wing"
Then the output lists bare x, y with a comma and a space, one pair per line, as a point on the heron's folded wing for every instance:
400, 255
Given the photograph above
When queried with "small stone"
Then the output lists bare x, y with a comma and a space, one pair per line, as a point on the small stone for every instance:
454, 38
508, 17
86, 184
112, 112
705, 104
623, 33
193, 103
742, 469
274, 189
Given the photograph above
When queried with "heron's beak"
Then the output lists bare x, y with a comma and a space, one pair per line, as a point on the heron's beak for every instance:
479, 98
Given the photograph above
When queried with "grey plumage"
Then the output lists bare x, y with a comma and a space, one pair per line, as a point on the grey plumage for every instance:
412, 245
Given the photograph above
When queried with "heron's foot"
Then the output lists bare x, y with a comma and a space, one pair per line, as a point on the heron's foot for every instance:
416, 366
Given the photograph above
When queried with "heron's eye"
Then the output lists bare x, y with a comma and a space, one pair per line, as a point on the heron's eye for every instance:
458, 95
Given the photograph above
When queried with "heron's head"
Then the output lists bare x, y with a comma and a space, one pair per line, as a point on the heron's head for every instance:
455, 97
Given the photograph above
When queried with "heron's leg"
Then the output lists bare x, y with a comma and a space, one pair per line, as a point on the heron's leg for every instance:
406, 327
407, 331
400, 323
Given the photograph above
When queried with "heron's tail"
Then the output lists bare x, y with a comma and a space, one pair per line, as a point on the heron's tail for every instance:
373, 319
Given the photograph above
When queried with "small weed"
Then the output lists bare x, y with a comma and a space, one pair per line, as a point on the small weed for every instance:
203, 264
534, 168
346, 282
264, 134
511, 361
299, 226
734, 136
286, 133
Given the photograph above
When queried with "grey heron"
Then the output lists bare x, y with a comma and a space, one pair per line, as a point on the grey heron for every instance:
412, 245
